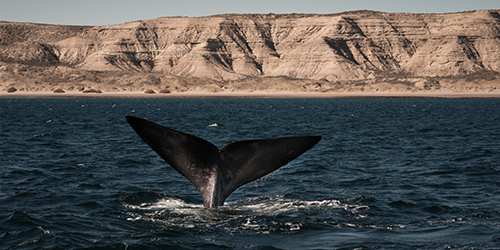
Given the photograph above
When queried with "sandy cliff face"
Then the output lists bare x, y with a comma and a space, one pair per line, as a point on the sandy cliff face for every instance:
350, 46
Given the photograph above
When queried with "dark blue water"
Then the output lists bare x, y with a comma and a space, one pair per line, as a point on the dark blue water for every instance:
388, 174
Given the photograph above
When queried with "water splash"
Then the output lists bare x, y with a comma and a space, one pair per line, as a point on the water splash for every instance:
264, 215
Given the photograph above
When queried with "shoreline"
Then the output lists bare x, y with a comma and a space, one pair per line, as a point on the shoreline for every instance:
254, 94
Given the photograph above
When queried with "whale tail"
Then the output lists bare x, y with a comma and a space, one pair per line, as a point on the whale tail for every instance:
217, 173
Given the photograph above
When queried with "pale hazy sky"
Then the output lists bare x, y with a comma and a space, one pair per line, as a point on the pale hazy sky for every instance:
101, 12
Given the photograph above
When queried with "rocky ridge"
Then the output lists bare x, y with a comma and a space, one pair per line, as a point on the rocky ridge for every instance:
302, 52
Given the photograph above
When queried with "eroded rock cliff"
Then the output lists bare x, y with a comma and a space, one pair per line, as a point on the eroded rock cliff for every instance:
361, 46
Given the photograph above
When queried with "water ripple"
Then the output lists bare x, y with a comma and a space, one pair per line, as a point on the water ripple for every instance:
388, 174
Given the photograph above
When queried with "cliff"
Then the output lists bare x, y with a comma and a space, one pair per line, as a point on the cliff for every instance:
362, 47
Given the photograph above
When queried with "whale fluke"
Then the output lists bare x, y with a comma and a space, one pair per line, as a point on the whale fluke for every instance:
217, 173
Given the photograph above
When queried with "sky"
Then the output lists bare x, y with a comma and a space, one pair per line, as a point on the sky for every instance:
103, 12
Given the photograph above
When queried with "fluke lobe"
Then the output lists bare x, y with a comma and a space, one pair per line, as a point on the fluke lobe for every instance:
217, 173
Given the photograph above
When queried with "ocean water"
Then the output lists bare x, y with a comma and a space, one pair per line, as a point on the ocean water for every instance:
388, 174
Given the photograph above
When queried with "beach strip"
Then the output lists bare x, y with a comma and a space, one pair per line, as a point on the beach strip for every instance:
254, 94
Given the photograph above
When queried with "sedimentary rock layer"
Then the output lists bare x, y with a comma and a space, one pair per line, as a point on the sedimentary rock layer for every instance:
357, 45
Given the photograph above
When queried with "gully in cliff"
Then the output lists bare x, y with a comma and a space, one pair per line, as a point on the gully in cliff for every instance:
216, 173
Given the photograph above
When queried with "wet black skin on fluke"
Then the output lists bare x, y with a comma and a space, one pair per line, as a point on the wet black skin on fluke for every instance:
217, 173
